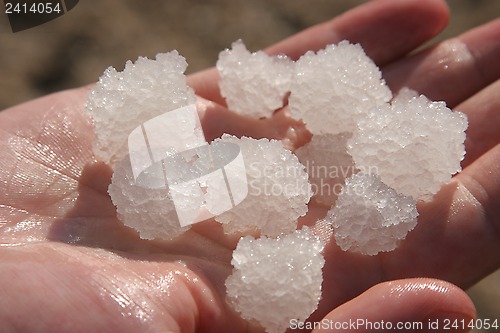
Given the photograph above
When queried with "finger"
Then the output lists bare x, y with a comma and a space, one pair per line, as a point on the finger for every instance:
483, 114
482, 181
411, 305
386, 29
458, 235
453, 70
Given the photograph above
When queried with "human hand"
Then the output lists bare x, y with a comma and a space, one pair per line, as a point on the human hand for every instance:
71, 266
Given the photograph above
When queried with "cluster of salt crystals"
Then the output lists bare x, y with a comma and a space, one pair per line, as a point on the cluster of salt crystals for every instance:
277, 280
264, 80
332, 89
412, 144
269, 168
121, 101
341, 97
278, 189
370, 217
150, 212
118, 104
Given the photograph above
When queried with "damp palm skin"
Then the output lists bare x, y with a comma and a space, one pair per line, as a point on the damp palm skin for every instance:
69, 265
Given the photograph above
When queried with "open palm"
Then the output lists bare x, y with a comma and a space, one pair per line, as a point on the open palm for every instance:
68, 264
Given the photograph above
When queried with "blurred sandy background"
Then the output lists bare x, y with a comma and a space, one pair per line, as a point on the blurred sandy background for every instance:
74, 49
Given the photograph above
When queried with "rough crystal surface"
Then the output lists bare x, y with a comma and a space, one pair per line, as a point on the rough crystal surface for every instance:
328, 164
254, 84
150, 212
276, 280
416, 145
370, 217
278, 189
121, 101
402, 151
332, 89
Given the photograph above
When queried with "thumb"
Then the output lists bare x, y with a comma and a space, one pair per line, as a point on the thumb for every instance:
410, 305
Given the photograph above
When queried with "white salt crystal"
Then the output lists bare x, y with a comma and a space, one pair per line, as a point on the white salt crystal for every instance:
276, 280
254, 84
370, 217
121, 101
150, 212
278, 189
328, 164
415, 144
332, 89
